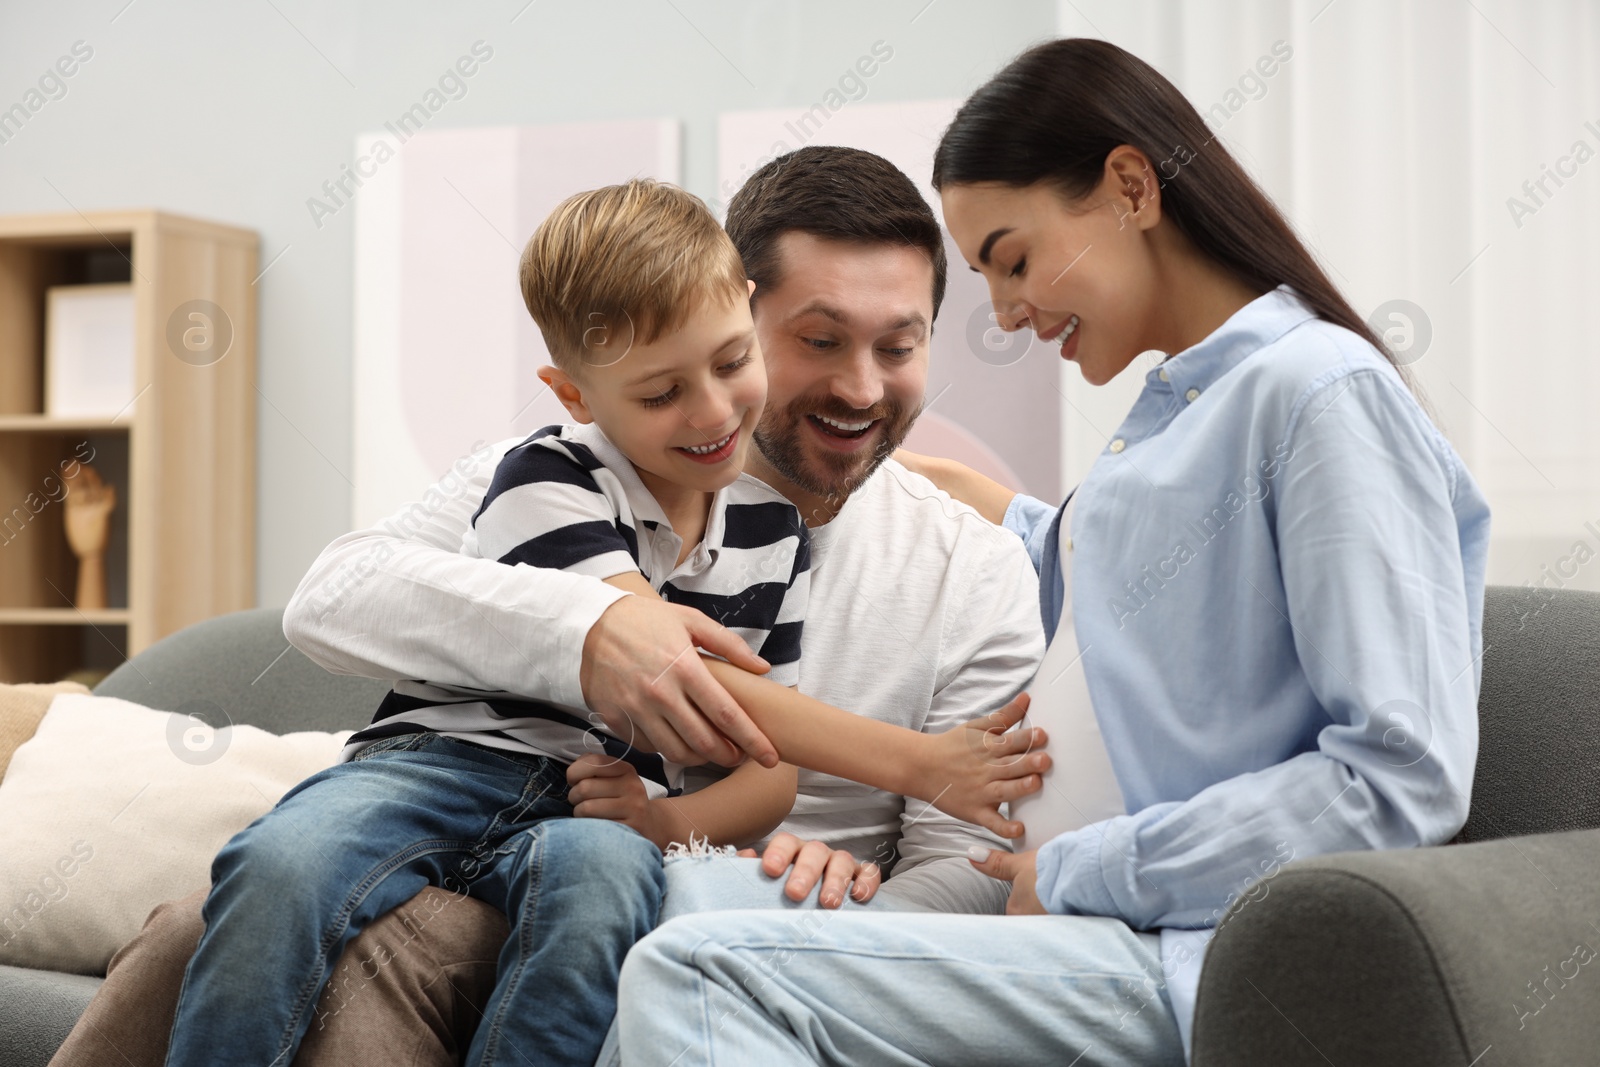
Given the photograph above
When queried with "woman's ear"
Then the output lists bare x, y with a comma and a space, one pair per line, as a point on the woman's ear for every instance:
566, 391
1132, 182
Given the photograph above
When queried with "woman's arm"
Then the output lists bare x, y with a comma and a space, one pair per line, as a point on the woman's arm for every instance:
980, 492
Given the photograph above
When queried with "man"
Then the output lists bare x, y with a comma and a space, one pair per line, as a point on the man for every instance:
921, 613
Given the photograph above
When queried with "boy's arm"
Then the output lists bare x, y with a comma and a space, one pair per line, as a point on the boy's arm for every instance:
968, 771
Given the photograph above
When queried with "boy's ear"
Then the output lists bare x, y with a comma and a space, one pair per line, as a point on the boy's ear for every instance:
566, 391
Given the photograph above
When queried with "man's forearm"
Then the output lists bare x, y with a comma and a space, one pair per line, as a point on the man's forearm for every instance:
383, 607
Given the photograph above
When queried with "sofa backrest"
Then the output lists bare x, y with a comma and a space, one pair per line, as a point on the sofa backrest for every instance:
1538, 714
1539, 709
238, 668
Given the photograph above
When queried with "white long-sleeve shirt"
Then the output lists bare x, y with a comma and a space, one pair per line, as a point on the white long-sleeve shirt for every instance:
922, 614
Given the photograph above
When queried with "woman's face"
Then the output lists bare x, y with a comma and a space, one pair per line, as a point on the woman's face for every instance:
1081, 275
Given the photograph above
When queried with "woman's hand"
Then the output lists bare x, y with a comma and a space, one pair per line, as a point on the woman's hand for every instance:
1021, 869
839, 870
603, 787
978, 491
969, 771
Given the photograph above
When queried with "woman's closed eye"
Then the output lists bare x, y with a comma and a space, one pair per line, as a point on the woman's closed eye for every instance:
1016, 272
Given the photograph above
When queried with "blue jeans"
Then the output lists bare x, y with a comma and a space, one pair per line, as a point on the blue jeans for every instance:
720, 883
895, 989
290, 891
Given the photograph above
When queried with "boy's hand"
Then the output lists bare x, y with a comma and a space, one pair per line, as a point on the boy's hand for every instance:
602, 787
1021, 870
968, 772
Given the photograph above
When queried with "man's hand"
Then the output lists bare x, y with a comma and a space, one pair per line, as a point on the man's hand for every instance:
643, 676
1018, 868
970, 770
838, 869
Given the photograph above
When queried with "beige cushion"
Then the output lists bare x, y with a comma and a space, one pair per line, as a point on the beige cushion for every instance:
21, 708
112, 808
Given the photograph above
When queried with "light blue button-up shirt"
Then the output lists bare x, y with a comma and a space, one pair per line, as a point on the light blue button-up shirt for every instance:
1278, 588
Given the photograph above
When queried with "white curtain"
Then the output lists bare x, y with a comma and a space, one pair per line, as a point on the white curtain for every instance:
1398, 137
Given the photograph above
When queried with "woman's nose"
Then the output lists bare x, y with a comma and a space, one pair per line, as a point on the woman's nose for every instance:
1011, 317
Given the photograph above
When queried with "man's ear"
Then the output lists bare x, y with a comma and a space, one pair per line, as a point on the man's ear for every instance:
566, 391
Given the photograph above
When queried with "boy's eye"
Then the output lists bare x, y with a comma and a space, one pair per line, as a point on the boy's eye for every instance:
738, 364
658, 400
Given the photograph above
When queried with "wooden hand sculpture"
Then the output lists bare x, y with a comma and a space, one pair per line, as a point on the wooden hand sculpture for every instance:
89, 505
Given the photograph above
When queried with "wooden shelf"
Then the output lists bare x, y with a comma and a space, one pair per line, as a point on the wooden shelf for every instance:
181, 457
60, 424
64, 617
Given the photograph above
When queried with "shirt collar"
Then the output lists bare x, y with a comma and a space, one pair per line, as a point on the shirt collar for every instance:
640, 499
1248, 330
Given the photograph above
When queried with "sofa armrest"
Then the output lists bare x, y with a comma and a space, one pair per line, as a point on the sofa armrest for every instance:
1481, 954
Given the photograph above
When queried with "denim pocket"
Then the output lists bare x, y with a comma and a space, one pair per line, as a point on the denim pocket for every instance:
397, 743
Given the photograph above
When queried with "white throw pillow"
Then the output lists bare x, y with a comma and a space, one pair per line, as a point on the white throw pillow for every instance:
112, 808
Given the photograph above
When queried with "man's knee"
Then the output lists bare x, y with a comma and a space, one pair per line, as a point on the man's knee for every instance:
438, 929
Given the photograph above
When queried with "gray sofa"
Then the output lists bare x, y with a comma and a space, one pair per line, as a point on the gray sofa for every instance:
1418, 957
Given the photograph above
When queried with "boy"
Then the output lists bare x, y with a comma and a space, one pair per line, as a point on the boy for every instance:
643, 303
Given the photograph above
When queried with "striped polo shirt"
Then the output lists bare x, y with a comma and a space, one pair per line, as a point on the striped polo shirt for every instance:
567, 498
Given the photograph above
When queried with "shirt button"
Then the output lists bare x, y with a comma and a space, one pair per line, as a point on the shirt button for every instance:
1191, 395
1162, 374
1118, 445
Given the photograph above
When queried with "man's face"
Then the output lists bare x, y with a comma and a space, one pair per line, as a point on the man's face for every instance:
845, 334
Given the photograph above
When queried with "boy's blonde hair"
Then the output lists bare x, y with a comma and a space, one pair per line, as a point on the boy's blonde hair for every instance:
624, 264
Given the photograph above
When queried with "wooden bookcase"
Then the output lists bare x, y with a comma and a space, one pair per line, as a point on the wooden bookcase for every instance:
181, 455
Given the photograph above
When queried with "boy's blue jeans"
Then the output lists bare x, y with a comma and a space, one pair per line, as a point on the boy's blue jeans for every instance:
290, 891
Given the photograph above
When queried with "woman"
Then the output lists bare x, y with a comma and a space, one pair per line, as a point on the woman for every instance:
1277, 568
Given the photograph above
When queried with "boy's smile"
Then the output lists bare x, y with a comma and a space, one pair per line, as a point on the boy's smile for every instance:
682, 408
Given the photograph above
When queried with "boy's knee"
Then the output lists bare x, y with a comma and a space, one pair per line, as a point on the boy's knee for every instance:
603, 844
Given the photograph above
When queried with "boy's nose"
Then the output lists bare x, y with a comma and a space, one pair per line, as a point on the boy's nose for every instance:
713, 413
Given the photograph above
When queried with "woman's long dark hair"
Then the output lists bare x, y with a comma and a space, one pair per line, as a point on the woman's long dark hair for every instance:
1056, 112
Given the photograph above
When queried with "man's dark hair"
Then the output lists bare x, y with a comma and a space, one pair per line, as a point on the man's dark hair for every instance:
841, 194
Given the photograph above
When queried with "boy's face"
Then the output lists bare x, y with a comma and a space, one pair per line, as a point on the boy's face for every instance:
684, 408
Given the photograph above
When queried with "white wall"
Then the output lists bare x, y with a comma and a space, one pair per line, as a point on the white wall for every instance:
1396, 138
239, 112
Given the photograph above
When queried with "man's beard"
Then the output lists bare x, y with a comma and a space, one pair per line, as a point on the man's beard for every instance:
829, 474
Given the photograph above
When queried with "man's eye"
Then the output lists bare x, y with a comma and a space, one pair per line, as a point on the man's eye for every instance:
818, 343
900, 353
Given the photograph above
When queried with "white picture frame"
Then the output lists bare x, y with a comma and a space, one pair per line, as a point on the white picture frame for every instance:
89, 350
